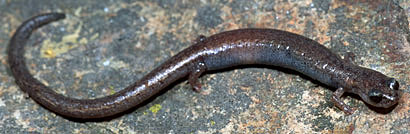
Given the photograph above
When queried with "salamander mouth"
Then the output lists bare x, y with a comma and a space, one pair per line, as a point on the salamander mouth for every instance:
383, 101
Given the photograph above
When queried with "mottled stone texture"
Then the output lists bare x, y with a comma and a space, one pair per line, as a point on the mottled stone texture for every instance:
105, 45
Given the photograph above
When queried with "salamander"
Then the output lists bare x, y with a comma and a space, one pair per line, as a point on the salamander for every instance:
219, 51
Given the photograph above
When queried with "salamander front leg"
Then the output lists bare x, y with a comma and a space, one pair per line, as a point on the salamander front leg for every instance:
196, 71
199, 39
336, 98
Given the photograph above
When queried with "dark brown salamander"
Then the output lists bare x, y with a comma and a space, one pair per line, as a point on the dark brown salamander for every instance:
226, 49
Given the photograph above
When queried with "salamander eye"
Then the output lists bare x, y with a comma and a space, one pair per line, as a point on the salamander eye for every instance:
375, 95
393, 84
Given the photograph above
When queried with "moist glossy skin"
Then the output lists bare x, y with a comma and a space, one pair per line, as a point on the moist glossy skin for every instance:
226, 49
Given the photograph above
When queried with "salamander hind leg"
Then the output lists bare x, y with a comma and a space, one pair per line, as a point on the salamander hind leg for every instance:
196, 71
337, 100
350, 57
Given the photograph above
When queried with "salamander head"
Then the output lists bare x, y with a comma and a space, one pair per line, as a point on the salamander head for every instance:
381, 92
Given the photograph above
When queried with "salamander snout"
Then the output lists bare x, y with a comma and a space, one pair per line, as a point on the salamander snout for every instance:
385, 95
